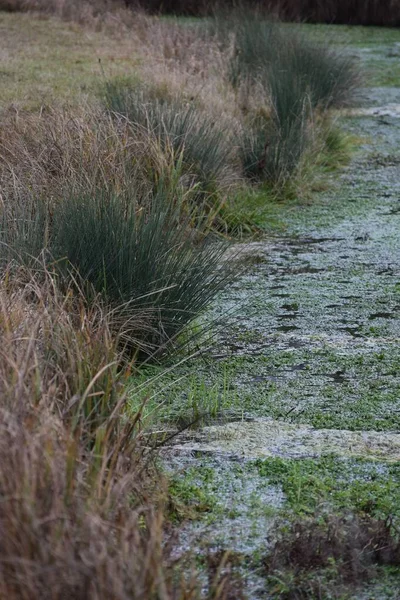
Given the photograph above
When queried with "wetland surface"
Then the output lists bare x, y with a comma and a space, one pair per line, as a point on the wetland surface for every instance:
306, 367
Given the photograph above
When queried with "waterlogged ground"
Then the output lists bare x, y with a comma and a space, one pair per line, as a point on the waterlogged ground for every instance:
316, 338
301, 390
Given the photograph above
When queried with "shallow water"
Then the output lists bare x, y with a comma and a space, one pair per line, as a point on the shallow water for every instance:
311, 352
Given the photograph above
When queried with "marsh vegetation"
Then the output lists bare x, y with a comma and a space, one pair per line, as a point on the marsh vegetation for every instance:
129, 163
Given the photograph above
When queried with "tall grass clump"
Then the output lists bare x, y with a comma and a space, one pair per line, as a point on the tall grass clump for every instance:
294, 78
132, 251
108, 207
141, 259
176, 124
67, 534
69, 482
273, 143
265, 48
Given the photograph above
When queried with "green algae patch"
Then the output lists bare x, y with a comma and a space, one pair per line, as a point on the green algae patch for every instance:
268, 437
192, 494
220, 503
358, 486
338, 529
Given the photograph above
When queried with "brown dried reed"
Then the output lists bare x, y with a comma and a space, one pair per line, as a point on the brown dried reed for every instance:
81, 502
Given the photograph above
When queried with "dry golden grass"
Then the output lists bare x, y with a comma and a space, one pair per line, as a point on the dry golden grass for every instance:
47, 61
69, 468
81, 503
48, 152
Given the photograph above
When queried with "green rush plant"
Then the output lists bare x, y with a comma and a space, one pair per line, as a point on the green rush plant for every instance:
205, 146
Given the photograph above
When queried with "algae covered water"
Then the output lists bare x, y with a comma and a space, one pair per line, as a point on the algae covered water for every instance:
307, 366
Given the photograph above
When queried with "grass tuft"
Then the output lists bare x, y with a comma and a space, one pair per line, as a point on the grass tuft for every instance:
297, 79
132, 252
204, 146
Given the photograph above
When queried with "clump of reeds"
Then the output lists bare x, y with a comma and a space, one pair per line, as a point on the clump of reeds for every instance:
295, 80
126, 231
136, 259
179, 126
